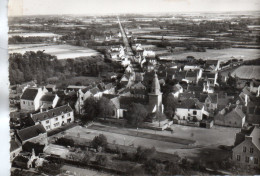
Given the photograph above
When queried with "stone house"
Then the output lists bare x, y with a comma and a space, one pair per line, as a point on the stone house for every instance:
246, 151
230, 117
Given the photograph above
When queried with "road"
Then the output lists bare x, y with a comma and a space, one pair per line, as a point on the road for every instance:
125, 39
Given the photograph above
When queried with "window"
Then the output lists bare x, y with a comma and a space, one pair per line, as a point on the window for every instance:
62, 116
23, 102
56, 118
13, 155
247, 159
251, 150
255, 160
48, 127
47, 121
244, 149
238, 157
194, 112
32, 103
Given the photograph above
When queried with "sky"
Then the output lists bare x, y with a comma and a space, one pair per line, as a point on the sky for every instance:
47, 7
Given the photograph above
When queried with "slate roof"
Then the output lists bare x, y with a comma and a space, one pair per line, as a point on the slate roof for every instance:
51, 113
208, 75
186, 95
30, 132
29, 94
48, 97
110, 96
191, 103
14, 145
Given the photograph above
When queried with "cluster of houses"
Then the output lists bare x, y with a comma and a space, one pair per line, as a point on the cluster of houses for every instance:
148, 81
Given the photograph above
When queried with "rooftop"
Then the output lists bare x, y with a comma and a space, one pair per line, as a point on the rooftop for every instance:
29, 94
30, 132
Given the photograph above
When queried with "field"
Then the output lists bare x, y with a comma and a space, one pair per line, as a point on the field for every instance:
31, 34
61, 51
247, 72
222, 55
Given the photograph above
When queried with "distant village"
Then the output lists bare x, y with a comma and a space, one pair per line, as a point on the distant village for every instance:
153, 93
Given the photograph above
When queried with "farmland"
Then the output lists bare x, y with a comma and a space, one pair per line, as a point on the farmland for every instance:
60, 51
222, 55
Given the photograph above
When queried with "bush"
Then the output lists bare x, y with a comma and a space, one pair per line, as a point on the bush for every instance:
65, 142
153, 168
50, 168
144, 154
101, 160
99, 141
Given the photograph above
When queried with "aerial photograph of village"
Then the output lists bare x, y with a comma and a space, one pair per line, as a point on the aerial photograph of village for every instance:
134, 93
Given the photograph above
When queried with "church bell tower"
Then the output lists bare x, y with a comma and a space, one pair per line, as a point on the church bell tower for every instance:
155, 96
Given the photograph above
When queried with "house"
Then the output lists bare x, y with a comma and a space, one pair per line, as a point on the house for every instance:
210, 77
49, 100
30, 99
177, 89
246, 151
211, 102
54, 118
212, 65
15, 148
35, 134
190, 109
230, 117
253, 112
108, 88
82, 95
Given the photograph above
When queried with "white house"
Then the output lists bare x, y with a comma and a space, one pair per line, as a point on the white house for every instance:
49, 100
189, 109
30, 99
54, 118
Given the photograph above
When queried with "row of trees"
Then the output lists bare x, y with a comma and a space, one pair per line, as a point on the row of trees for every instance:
41, 66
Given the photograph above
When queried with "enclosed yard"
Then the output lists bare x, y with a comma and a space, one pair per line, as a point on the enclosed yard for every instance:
247, 72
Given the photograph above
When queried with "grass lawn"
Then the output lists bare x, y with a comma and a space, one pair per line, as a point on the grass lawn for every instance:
142, 134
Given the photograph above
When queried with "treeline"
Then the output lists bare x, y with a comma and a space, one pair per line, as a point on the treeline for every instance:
19, 39
41, 66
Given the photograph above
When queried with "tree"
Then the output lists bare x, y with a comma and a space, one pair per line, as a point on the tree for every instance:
99, 141
105, 107
174, 169
170, 106
90, 107
136, 114
153, 168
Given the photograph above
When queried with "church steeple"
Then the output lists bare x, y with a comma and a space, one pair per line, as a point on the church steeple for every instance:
155, 96
155, 89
